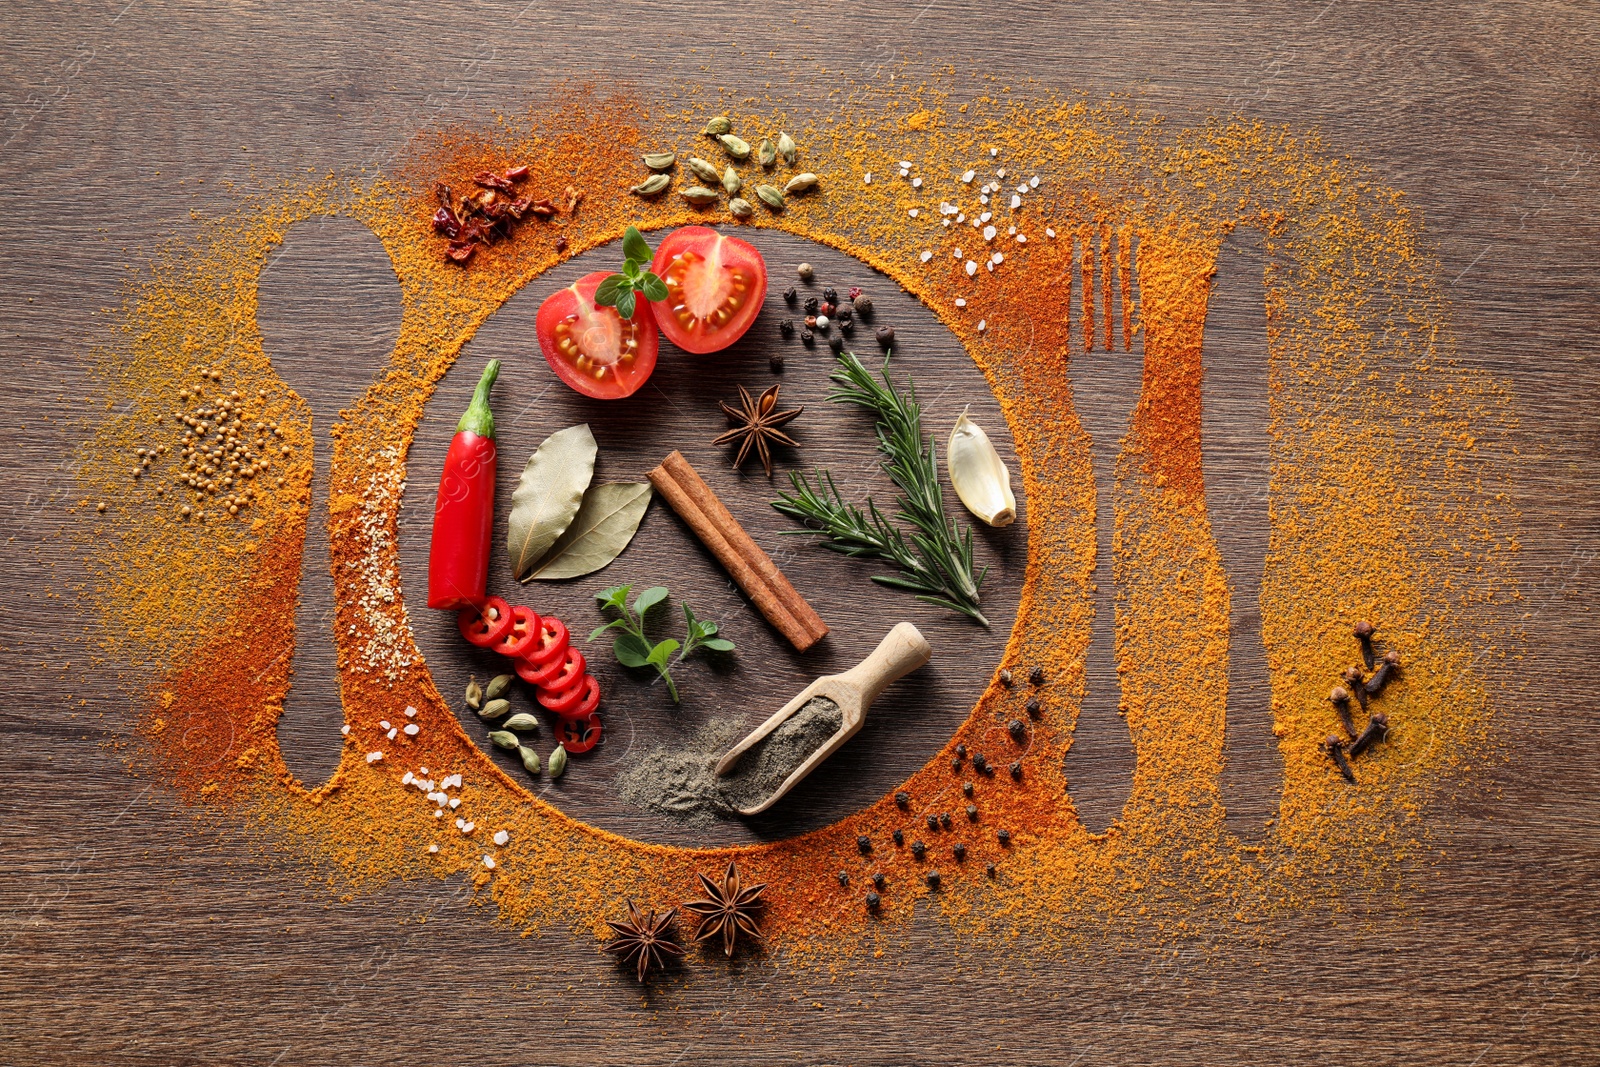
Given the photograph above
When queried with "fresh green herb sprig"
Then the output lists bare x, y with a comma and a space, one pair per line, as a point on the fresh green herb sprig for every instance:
634, 649
935, 561
618, 290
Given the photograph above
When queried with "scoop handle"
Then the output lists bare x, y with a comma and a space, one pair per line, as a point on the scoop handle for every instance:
902, 650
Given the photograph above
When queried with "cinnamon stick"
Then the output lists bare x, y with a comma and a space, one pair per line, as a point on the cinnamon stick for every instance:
688, 494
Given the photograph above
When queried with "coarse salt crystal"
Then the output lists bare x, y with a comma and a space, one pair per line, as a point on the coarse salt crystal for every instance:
1001, 172
1016, 201
866, 179
993, 152
1012, 229
411, 712
433, 848
1048, 232
985, 217
944, 222
961, 301
453, 780
412, 729
983, 199
904, 173
1022, 188
956, 254
1022, 238
961, 217
345, 729
469, 827
988, 233
501, 837
438, 813
455, 802
905, 164
407, 778
916, 183
983, 324
1033, 182
997, 258
383, 724
392, 733
990, 265
374, 757
926, 256
972, 268
968, 176
488, 861
912, 212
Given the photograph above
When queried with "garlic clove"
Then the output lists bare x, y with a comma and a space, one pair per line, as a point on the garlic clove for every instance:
979, 475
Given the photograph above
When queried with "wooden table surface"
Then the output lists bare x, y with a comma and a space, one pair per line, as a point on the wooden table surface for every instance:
129, 935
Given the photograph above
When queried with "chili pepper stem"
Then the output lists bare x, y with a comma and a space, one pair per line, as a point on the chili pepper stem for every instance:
479, 419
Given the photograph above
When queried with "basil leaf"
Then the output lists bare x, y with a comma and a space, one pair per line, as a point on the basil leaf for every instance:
631, 650
635, 248
654, 288
549, 494
662, 653
604, 525
649, 599
625, 304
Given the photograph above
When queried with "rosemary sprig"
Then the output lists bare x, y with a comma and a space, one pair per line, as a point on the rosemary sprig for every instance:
935, 560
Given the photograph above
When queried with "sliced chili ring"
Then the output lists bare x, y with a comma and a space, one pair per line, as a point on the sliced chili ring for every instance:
487, 623
590, 701
568, 671
565, 701
552, 643
527, 670
579, 735
522, 635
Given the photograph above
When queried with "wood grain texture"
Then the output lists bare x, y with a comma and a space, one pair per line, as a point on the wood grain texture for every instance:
128, 934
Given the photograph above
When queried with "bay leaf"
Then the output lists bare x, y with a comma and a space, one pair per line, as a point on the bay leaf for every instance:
549, 494
606, 522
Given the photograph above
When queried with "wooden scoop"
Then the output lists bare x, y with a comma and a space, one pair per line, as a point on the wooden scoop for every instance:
901, 651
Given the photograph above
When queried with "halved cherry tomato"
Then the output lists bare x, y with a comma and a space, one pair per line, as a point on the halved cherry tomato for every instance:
560, 671
579, 735
592, 348
523, 634
715, 286
572, 668
487, 624
565, 701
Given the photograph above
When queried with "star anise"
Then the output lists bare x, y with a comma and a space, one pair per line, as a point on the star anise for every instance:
756, 425
728, 909
642, 939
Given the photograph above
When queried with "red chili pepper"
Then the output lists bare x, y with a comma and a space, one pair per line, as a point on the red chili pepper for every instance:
463, 516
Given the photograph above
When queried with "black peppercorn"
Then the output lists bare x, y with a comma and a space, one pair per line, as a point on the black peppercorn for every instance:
844, 313
961, 752
844, 879
933, 879
902, 798
790, 296
933, 822
955, 765
836, 343
864, 843
885, 336
786, 327
863, 305
899, 837
1036, 676
972, 812
988, 868
878, 880
847, 326
775, 361
811, 305
960, 851
1016, 770
944, 819
1017, 731
980, 764
808, 338
966, 788
831, 295
918, 848
1004, 836
872, 901
1033, 708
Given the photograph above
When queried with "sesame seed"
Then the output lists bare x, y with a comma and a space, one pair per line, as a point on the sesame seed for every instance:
1022, 238
383, 724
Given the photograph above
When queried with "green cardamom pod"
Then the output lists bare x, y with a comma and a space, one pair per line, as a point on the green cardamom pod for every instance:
800, 183
474, 695
654, 185
522, 723
660, 160
737, 147
698, 195
717, 126
786, 148
530, 760
705, 170
495, 708
498, 686
731, 181
741, 207
767, 154
504, 738
557, 762
771, 196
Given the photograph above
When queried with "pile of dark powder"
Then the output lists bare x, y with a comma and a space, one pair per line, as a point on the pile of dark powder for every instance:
681, 781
